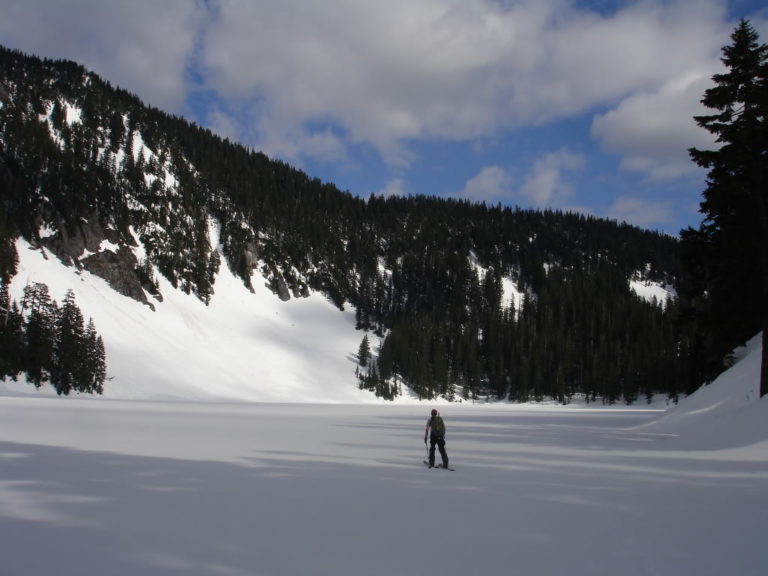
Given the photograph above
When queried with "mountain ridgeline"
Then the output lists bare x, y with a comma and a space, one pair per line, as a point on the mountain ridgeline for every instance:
82, 162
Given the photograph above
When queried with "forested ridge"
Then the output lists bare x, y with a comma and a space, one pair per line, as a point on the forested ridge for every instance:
82, 161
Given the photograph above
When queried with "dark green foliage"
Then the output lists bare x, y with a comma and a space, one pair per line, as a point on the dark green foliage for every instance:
92, 378
727, 257
8, 257
424, 274
364, 352
11, 336
78, 360
49, 343
70, 354
40, 332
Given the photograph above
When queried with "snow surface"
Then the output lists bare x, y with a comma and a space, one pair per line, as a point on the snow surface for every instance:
652, 291
92, 486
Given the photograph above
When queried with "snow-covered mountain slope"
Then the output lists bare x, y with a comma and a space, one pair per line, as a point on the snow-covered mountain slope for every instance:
243, 346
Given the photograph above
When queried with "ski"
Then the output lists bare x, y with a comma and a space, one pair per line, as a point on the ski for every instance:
426, 462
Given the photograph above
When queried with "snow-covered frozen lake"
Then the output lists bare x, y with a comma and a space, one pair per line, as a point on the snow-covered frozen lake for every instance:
120, 488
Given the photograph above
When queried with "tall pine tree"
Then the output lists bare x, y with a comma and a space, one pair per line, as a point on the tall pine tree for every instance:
70, 354
364, 352
39, 332
731, 246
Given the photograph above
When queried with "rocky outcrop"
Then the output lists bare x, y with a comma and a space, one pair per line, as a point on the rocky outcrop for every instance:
103, 252
279, 287
118, 268
87, 237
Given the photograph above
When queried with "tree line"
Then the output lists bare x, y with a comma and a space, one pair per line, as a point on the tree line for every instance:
50, 343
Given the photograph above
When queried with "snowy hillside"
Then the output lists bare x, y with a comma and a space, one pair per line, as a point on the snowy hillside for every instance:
726, 413
243, 346
91, 487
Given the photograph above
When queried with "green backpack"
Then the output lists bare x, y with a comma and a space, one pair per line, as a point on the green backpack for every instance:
438, 426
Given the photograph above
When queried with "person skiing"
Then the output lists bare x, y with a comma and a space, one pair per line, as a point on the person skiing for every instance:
436, 431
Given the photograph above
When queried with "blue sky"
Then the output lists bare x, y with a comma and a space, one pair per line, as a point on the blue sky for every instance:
563, 104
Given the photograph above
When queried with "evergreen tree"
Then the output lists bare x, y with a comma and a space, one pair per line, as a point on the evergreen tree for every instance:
70, 356
385, 360
731, 246
39, 332
364, 352
96, 365
9, 259
11, 336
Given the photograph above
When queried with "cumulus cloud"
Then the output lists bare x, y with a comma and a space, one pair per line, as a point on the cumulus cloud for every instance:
642, 213
142, 45
390, 74
383, 73
395, 187
594, 60
547, 185
492, 184
294, 143
223, 124
653, 131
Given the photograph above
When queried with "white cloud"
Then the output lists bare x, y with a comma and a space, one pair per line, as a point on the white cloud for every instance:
223, 124
391, 74
296, 143
143, 45
491, 184
546, 184
653, 131
593, 60
642, 213
383, 73
395, 187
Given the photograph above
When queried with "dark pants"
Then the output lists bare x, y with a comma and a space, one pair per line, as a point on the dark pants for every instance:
440, 442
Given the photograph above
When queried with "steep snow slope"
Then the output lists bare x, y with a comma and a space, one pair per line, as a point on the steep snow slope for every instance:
243, 346
728, 412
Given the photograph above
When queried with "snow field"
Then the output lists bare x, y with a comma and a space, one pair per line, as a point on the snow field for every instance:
95, 486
